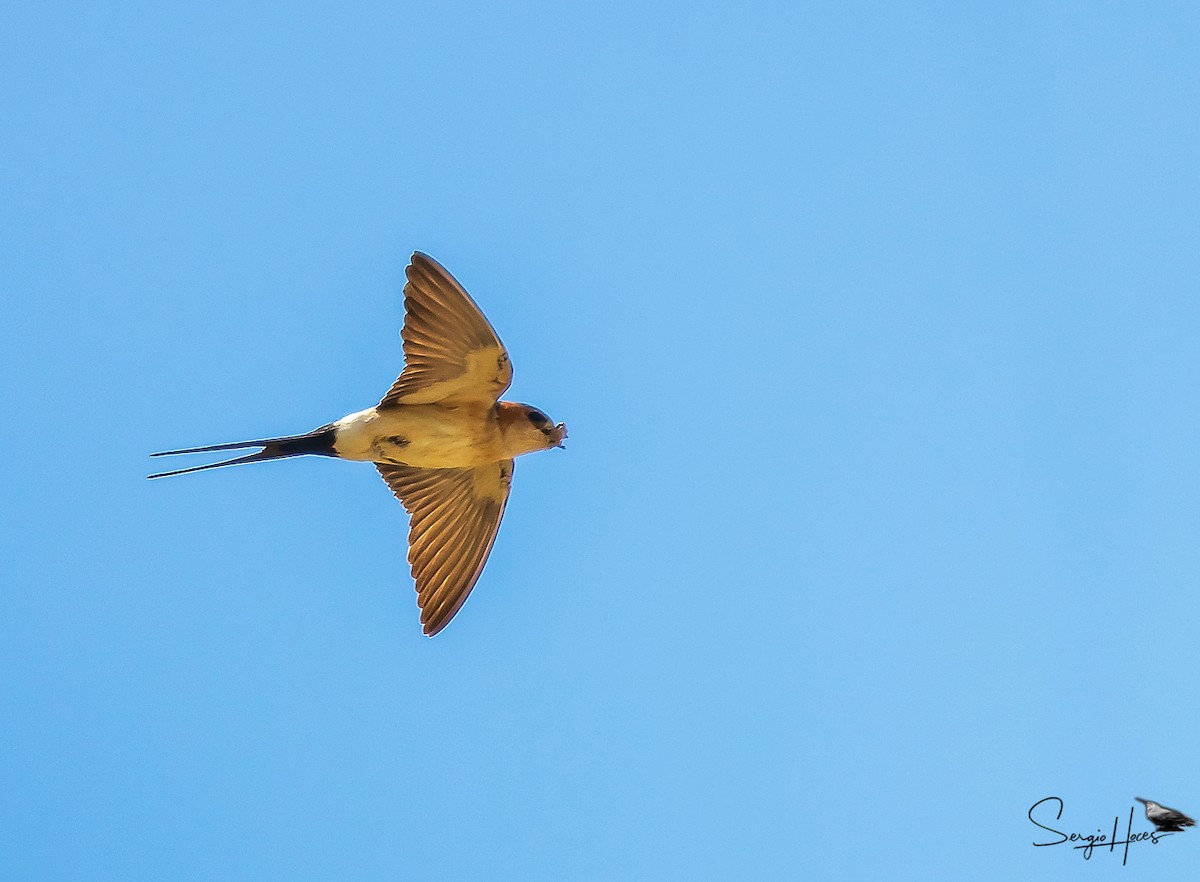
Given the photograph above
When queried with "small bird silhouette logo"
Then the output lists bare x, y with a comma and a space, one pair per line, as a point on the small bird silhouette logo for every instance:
441, 438
1167, 820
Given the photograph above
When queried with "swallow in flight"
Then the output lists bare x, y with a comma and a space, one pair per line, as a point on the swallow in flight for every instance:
441, 438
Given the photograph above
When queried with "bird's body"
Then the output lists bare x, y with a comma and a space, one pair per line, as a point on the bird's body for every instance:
440, 438
1165, 820
434, 436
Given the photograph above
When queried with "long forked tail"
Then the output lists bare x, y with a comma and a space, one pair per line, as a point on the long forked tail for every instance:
319, 441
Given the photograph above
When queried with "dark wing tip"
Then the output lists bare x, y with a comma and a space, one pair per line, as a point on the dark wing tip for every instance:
422, 261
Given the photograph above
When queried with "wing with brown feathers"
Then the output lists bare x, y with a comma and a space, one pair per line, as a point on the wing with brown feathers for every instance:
451, 352
455, 516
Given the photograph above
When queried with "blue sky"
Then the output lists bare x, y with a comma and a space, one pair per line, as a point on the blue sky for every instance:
875, 327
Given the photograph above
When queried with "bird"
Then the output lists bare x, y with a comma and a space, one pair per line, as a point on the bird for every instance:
1167, 820
441, 438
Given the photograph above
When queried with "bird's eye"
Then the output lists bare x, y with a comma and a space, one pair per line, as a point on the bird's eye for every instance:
538, 418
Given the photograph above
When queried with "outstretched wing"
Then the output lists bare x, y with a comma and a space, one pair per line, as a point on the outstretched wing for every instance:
451, 352
455, 516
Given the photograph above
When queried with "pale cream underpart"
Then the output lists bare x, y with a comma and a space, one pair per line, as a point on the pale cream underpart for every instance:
438, 436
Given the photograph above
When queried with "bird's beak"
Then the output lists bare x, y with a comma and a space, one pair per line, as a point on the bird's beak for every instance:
1139, 799
559, 435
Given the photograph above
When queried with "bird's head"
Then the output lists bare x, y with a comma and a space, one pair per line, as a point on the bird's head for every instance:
527, 429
